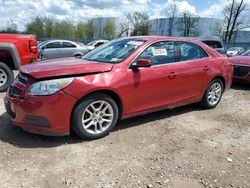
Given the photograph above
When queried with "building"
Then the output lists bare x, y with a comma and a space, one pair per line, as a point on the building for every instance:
204, 26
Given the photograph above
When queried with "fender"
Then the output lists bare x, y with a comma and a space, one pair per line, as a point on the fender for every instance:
13, 51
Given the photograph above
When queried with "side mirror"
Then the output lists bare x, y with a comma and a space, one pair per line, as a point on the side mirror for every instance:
142, 63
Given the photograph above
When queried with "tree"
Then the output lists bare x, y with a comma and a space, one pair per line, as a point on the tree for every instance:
84, 30
187, 24
49, 25
36, 27
41, 26
88, 29
109, 30
140, 22
11, 27
171, 17
64, 29
80, 30
233, 22
217, 30
124, 28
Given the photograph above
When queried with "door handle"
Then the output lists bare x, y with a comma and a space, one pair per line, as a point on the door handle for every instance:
172, 75
206, 68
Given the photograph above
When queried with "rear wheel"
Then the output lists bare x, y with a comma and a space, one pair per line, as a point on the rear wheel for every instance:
6, 77
213, 94
95, 116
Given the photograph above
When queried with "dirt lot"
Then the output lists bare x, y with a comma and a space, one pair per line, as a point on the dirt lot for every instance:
187, 147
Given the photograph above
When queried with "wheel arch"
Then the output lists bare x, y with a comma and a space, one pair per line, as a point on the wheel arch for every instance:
15, 63
222, 79
110, 93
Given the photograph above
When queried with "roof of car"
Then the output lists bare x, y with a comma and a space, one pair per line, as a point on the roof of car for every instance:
155, 38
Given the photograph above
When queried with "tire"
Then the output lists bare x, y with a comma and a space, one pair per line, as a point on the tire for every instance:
213, 94
98, 123
6, 77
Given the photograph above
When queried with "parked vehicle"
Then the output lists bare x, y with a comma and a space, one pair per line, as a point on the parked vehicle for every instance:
246, 53
125, 78
216, 44
15, 50
234, 51
241, 66
60, 48
96, 43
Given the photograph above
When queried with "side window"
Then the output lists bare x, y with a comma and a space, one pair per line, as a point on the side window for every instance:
160, 53
99, 44
53, 45
190, 51
68, 45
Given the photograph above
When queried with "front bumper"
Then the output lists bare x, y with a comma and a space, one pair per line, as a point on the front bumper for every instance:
47, 115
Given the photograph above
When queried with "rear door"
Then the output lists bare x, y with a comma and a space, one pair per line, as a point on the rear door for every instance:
67, 49
191, 71
52, 50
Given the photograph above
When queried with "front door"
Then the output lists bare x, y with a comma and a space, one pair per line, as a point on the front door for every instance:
151, 87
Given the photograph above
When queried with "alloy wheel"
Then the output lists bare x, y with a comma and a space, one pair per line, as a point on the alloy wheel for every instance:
97, 117
214, 93
3, 77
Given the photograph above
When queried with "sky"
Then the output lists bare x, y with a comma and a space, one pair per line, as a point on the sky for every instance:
22, 12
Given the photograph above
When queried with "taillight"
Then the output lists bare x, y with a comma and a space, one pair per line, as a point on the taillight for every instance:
33, 46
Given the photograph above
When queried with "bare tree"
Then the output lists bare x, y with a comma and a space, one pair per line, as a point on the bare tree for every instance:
140, 22
217, 30
232, 13
124, 28
171, 17
187, 24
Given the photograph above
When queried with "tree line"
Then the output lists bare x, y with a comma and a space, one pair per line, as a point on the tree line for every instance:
136, 23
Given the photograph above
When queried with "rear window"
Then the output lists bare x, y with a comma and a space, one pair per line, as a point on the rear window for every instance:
213, 44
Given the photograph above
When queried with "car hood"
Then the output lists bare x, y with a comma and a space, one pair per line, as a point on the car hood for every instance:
243, 60
64, 67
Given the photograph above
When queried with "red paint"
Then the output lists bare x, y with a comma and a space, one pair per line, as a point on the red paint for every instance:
62, 67
140, 91
26, 46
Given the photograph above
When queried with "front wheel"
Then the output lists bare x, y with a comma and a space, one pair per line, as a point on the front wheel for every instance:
213, 94
95, 116
6, 77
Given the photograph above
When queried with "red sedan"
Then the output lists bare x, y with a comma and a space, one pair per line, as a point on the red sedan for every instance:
124, 78
241, 66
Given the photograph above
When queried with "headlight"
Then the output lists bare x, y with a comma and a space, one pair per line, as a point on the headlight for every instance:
49, 87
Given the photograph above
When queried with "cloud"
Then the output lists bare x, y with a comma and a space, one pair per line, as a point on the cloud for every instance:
23, 11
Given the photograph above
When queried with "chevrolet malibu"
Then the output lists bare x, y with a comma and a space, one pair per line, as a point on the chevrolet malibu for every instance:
123, 78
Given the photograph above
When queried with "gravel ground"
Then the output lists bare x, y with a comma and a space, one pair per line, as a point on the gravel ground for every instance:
182, 148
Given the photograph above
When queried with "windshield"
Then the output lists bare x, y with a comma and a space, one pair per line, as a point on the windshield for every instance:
114, 52
42, 43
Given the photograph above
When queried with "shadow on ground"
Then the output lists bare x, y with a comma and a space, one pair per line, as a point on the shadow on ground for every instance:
240, 86
19, 138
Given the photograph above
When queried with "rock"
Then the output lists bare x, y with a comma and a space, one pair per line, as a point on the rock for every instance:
159, 182
150, 186
166, 181
229, 160
68, 182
